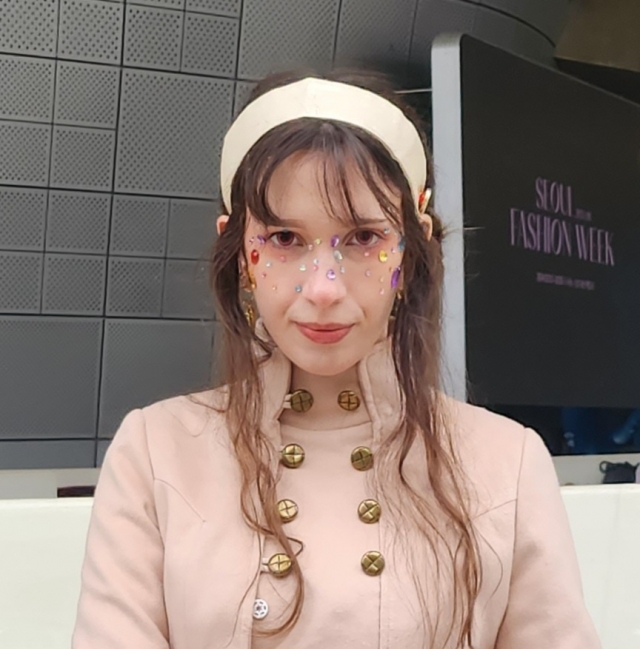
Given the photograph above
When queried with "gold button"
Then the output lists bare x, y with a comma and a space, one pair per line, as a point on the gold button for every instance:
372, 563
292, 456
369, 511
280, 565
362, 458
348, 400
287, 509
301, 401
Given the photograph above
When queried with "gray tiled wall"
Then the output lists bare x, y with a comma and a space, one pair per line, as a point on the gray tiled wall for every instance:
112, 114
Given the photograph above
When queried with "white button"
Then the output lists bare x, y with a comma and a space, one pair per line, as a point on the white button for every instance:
260, 609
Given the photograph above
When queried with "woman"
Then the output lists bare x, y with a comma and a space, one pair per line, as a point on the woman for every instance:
329, 495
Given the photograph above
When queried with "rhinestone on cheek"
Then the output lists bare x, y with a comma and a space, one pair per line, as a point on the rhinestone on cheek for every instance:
303, 268
317, 241
331, 274
338, 255
261, 240
342, 270
263, 275
335, 240
367, 273
283, 258
255, 257
383, 256
310, 246
381, 291
269, 264
401, 245
395, 277
298, 289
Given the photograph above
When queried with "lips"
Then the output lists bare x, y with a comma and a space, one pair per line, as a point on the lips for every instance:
324, 334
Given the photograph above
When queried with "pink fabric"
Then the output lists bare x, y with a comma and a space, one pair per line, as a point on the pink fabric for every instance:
170, 562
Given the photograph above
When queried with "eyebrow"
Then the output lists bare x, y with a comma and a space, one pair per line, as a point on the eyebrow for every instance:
296, 223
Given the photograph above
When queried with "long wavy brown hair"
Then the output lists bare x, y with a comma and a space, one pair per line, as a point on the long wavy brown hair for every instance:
440, 508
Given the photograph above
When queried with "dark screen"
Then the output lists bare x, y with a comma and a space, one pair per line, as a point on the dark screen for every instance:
552, 216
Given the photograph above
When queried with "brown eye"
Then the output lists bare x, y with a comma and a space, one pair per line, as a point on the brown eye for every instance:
366, 238
284, 238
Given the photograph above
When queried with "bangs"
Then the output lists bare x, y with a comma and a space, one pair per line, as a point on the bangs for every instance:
342, 150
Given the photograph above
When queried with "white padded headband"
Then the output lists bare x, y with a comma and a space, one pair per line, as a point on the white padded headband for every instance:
330, 100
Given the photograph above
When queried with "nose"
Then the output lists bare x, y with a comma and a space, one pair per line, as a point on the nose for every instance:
324, 286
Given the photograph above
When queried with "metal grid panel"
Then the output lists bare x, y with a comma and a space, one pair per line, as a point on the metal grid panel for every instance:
509, 34
186, 290
134, 373
25, 153
91, 30
22, 218
546, 15
435, 17
87, 95
139, 226
171, 130
495, 28
82, 158
26, 88
153, 38
135, 287
220, 7
192, 229
170, 4
29, 26
54, 365
78, 222
74, 284
20, 281
210, 45
376, 30
58, 454
283, 34
103, 445
243, 92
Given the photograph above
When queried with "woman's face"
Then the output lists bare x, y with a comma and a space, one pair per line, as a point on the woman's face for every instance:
323, 289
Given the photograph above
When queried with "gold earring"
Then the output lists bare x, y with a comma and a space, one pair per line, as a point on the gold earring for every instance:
248, 281
248, 285
250, 315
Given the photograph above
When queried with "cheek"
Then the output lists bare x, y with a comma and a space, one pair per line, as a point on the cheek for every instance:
378, 281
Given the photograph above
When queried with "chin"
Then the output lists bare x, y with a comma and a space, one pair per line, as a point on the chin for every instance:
322, 364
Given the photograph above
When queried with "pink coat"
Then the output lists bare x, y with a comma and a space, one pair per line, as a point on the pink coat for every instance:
171, 563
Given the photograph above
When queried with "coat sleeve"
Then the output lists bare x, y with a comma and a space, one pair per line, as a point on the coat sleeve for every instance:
546, 606
121, 600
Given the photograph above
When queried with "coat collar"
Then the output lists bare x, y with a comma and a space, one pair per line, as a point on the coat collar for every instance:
378, 383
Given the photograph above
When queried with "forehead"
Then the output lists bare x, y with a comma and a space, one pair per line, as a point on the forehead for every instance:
308, 188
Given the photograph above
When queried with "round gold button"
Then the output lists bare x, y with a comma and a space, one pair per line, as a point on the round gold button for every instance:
372, 563
301, 401
362, 458
292, 456
369, 511
280, 565
348, 400
287, 509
